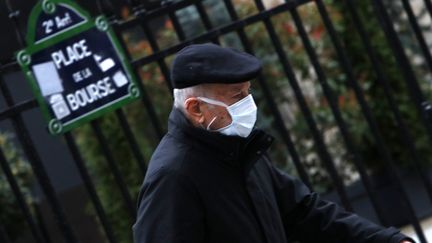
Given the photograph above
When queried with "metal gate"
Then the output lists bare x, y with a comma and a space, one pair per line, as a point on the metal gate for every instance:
147, 16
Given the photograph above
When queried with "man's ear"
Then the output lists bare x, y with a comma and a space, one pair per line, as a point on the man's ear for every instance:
193, 109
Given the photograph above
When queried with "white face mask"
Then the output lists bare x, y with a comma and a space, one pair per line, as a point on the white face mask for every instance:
243, 114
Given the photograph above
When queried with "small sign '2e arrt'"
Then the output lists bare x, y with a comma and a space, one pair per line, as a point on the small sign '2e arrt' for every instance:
75, 65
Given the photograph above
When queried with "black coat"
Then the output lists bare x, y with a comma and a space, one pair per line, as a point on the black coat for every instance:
206, 187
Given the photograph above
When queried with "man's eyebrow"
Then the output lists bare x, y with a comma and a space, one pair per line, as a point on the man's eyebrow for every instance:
236, 91
237, 88
235, 94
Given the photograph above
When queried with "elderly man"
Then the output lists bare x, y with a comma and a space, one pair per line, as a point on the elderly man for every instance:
210, 180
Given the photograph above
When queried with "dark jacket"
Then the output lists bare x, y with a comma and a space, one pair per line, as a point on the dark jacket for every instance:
206, 187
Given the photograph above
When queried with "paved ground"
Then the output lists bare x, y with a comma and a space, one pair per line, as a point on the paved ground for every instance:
427, 227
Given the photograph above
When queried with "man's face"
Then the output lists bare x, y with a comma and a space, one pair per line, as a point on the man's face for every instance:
226, 93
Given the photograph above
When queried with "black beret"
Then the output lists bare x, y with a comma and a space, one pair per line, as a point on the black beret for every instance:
210, 63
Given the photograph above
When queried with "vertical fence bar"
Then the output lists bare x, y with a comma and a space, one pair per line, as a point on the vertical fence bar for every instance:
33, 155
177, 26
406, 136
205, 19
423, 106
73, 148
3, 235
144, 96
101, 6
122, 118
114, 168
20, 198
146, 101
285, 134
131, 140
343, 127
155, 47
41, 223
319, 143
418, 33
119, 112
371, 121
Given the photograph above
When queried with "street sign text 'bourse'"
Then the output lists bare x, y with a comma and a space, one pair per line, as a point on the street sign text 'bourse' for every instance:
75, 65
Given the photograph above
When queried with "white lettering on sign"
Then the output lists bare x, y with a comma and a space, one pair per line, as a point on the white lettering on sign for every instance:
48, 25
90, 94
59, 22
64, 21
82, 74
71, 54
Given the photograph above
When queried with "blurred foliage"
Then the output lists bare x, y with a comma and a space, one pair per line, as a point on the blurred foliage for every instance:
156, 90
375, 95
10, 215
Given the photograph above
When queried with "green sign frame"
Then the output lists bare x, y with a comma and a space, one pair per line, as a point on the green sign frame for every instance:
24, 59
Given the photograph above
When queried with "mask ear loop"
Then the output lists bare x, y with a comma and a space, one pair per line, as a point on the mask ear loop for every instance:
211, 122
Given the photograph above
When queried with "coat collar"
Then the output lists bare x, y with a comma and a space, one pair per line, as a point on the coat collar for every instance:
231, 149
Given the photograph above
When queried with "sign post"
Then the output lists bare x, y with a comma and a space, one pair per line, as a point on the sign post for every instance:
75, 65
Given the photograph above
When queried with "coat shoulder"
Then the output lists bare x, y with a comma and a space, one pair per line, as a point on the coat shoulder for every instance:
173, 157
